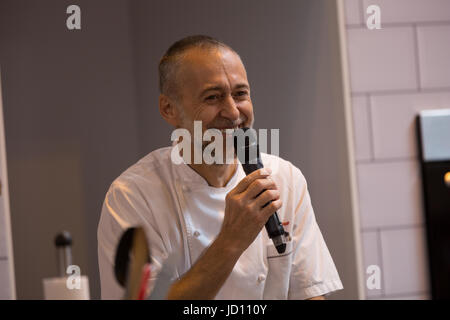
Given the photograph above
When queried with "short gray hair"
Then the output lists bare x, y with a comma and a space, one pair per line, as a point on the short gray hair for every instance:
169, 63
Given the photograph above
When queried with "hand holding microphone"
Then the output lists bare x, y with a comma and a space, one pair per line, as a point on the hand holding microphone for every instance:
247, 150
253, 202
245, 210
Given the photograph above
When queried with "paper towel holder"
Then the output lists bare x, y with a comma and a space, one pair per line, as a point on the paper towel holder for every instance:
67, 286
63, 243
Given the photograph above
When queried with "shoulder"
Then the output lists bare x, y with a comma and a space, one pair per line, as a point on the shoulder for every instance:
150, 172
133, 195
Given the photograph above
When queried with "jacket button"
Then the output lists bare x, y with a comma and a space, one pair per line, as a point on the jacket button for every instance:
261, 278
196, 234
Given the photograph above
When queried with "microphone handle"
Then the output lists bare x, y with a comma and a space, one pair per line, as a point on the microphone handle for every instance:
273, 225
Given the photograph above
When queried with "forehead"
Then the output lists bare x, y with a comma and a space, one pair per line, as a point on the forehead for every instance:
204, 67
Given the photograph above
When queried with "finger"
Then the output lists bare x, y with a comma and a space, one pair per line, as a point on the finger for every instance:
257, 174
271, 208
258, 186
267, 196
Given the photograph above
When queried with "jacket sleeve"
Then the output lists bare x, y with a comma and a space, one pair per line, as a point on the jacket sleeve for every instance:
313, 271
125, 207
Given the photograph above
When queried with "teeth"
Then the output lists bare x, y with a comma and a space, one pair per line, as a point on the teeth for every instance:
227, 130
224, 130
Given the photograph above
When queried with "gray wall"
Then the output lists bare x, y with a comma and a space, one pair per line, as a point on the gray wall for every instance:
81, 106
70, 121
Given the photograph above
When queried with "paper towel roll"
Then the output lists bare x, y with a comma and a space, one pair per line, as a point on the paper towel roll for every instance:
57, 289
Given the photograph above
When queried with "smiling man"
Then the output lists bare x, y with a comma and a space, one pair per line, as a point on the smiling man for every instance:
211, 217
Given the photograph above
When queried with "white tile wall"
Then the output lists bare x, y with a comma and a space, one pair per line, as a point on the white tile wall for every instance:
434, 52
353, 12
382, 59
405, 261
389, 194
417, 296
400, 11
403, 68
370, 242
393, 121
362, 128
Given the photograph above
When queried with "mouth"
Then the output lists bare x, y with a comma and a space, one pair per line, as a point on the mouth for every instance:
229, 129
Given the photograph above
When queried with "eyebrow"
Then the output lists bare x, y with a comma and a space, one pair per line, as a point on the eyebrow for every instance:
220, 88
242, 85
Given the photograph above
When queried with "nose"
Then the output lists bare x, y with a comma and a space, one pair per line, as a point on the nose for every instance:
230, 109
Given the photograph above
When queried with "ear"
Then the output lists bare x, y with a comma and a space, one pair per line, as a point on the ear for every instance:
168, 110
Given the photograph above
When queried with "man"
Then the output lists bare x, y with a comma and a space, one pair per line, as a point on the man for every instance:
212, 216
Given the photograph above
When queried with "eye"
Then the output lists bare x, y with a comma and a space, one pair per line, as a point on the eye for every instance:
212, 97
241, 93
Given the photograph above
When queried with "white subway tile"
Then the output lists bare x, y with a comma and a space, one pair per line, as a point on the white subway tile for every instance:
361, 128
382, 59
375, 298
417, 296
405, 261
389, 194
371, 257
353, 12
411, 10
434, 55
5, 282
393, 120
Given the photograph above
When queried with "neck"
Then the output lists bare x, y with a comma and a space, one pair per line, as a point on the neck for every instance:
217, 175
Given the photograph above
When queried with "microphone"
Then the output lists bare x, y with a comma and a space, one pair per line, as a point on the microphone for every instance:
248, 154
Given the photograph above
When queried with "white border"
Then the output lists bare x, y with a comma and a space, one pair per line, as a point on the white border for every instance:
350, 148
5, 195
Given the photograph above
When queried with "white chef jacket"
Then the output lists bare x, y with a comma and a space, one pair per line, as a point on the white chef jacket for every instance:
182, 215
